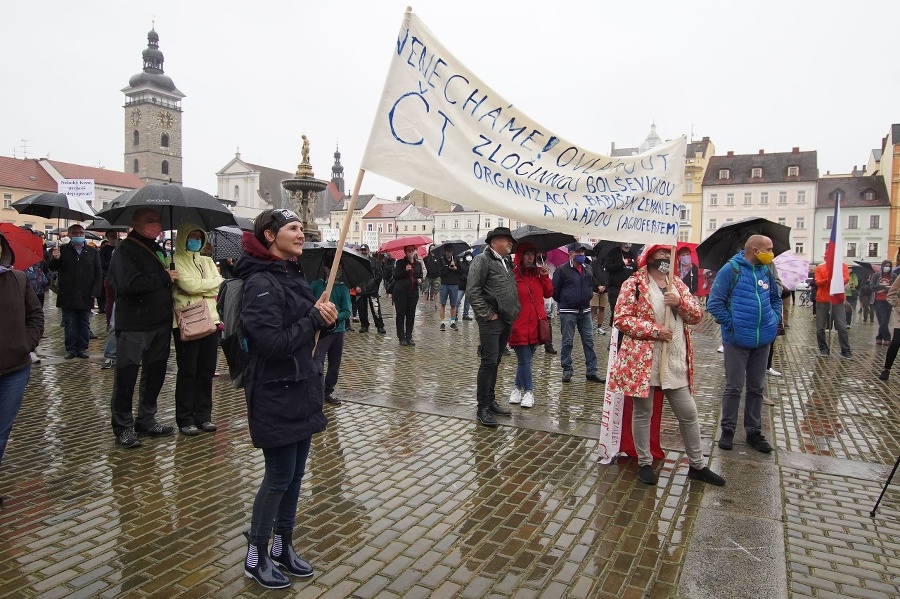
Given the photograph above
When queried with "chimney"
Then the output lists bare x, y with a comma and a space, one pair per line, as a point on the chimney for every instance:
705, 138
796, 150
730, 153
761, 152
399, 198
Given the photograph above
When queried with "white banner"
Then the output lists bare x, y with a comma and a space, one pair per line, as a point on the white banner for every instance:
331, 234
440, 129
370, 238
80, 193
613, 404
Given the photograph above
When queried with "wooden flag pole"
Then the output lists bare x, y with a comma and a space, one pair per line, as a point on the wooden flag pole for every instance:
345, 228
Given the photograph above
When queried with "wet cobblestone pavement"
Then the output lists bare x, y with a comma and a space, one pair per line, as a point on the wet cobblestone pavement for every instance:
407, 496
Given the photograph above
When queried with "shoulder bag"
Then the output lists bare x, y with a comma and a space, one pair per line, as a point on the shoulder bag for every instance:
543, 330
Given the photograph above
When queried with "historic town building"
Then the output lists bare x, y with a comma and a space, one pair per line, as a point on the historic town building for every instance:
153, 124
865, 212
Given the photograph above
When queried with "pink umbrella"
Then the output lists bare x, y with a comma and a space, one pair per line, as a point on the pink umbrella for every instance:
558, 256
792, 269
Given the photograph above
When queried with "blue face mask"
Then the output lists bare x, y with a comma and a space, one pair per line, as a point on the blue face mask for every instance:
579, 259
78, 240
194, 245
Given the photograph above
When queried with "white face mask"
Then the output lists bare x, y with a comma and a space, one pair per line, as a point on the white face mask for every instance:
686, 259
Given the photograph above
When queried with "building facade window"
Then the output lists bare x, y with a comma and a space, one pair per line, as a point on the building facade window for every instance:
406, 227
685, 212
800, 223
237, 193
370, 227
793, 171
829, 220
729, 199
7, 201
135, 138
468, 223
688, 186
764, 198
455, 223
499, 222
801, 197
756, 172
380, 227
853, 221
873, 250
782, 198
724, 173
356, 227
390, 227
874, 221
869, 195
782, 221
851, 250
748, 199
135, 167
165, 167
487, 223
164, 140
798, 248
443, 223
684, 234
713, 199
712, 224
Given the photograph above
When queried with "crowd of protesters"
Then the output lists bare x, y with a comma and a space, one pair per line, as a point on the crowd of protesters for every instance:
296, 335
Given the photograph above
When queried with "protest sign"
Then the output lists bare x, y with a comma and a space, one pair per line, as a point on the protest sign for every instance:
443, 131
613, 405
80, 193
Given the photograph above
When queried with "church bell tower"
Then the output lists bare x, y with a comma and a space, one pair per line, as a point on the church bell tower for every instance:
153, 120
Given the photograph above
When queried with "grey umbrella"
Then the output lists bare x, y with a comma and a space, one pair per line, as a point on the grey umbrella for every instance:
176, 204
543, 240
53, 205
102, 225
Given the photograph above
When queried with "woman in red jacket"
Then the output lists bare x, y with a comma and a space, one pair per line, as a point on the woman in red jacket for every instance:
534, 285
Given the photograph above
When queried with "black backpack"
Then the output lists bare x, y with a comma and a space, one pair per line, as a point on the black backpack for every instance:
235, 346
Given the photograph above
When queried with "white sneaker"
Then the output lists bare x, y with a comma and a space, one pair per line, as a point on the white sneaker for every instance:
515, 396
528, 399
773, 372
601, 330
34, 358
721, 349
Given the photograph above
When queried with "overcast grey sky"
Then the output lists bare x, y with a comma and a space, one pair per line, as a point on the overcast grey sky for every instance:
765, 75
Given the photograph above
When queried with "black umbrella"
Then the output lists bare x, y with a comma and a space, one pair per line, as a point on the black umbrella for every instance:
244, 224
226, 243
318, 254
457, 245
479, 243
102, 225
53, 205
176, 205
602, 248
543, 240
87, 234
727, 240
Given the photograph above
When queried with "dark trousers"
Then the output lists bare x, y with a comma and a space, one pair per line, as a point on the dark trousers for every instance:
332, 347
147, 351
275, 505
196, 362
365, 303
77, 326
883, 313
892, 350
492, 336
406, 314
110, 299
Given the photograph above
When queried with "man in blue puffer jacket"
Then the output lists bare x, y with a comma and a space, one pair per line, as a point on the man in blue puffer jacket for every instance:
747, 306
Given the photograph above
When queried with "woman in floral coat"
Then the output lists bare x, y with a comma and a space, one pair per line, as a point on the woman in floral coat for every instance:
649, 315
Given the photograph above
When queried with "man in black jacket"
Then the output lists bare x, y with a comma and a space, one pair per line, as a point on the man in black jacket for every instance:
451, 276
621, 263
143, 285
80, 280
367, 296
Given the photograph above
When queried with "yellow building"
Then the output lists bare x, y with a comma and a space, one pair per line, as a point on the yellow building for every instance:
695, 162
890, 172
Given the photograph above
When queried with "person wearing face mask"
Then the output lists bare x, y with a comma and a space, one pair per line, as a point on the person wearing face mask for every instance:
331, 342
649, 315
143, 324
746, 303
408, 276
573, 288
687, 270
198, 281
621, 262
80, 279
827, 312
880, 283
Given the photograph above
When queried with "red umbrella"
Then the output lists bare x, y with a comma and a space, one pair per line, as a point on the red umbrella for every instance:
402, 242
398, 254
27, 247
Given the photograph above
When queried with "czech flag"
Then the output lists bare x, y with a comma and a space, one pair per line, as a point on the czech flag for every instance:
835, 265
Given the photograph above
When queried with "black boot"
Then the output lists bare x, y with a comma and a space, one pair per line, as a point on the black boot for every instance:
264, 571
288, 558
485, 417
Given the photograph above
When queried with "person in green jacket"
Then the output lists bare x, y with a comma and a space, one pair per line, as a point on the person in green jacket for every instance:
850, 293
331, 342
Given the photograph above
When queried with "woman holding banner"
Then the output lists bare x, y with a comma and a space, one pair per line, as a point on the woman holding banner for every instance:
649, 315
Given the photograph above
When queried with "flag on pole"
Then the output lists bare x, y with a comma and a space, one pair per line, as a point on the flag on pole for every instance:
442, 130
834, 264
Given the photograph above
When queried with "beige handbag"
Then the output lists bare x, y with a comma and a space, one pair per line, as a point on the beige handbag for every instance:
195, 321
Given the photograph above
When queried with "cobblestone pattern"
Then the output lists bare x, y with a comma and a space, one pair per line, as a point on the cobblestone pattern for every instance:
835, 549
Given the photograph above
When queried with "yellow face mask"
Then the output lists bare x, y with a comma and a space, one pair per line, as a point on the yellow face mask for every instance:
765, 258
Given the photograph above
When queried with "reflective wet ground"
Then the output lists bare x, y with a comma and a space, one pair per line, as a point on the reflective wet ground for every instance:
407, 496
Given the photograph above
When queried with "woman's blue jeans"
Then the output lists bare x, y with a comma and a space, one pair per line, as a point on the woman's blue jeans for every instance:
524, 379
12, 390
276, 501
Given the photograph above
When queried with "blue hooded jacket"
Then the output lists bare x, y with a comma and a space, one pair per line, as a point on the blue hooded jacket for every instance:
750, 312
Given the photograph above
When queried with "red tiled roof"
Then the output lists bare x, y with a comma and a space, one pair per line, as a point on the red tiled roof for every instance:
388, 210
100, 176
25, 173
